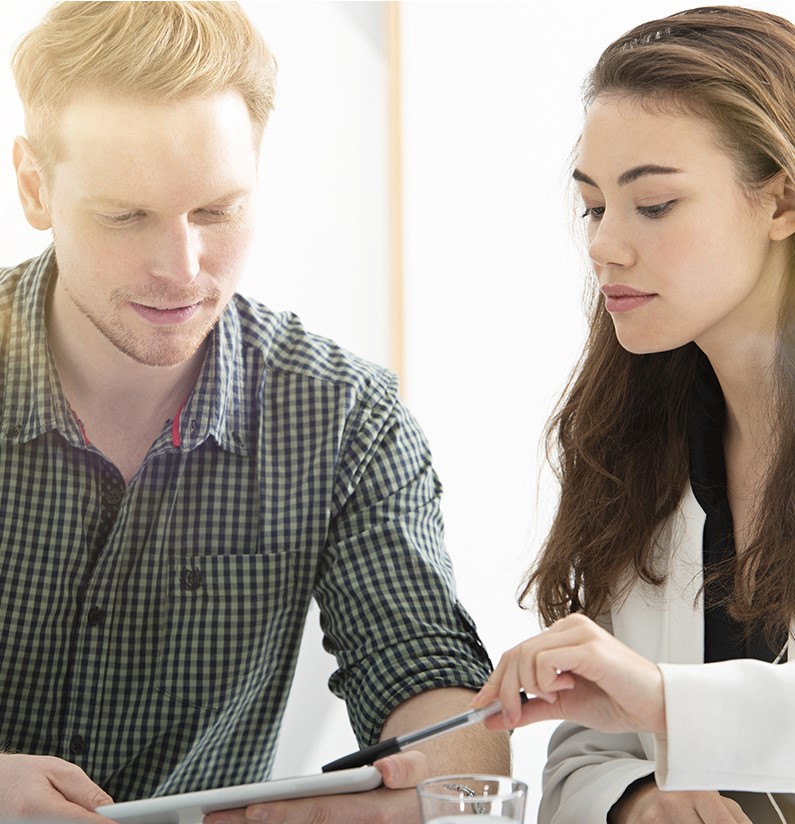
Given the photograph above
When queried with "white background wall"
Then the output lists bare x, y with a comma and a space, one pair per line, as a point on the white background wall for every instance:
491, 109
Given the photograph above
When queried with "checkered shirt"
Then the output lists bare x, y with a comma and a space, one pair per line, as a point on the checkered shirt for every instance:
150, 630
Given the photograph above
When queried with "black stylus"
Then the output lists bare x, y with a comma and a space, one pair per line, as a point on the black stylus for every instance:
410, 739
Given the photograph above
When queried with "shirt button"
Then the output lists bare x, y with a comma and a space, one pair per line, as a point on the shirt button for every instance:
77, 745
113, 496
96, 617
190, 580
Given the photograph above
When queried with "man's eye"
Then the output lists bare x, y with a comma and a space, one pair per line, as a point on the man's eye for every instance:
119, 220
594, 212
218, 215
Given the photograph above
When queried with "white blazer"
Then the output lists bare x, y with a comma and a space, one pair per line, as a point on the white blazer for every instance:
730, 725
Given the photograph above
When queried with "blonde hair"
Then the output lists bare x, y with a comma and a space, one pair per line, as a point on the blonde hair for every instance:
159, 51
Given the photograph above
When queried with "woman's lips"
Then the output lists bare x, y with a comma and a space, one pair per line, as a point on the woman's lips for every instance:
621, 298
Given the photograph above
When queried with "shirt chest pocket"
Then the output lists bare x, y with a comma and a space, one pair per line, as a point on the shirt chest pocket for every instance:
224, 626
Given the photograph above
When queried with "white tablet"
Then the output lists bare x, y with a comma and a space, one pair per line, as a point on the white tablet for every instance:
188, 808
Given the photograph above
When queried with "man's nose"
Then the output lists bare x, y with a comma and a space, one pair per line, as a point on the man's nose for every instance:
177, 252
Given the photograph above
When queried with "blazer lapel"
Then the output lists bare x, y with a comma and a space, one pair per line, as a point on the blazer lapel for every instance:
666, 623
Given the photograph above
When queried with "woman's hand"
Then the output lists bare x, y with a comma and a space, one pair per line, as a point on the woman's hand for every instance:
646, 804
578, 672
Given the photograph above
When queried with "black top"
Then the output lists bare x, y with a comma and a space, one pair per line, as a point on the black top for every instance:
724, 638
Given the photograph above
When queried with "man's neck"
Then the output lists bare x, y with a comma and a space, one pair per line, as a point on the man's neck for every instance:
124, 414
122, 404
119, 384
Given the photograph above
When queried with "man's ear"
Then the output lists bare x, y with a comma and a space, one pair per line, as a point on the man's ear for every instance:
783, 222
30, 183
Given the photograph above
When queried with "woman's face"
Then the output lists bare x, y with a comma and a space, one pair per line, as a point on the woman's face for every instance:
680, 251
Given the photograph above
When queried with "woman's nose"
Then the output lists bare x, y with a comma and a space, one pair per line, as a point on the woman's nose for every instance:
609, 243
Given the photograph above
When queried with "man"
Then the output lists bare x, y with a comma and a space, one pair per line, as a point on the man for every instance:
181, 470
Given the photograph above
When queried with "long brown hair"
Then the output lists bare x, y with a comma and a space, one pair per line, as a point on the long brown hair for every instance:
617, 439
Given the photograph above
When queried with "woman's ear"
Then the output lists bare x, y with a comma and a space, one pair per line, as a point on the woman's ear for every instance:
30, 183
783, 223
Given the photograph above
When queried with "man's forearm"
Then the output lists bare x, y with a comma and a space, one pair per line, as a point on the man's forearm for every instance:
471, 750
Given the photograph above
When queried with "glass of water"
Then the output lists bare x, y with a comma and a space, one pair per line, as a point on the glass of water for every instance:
453, 798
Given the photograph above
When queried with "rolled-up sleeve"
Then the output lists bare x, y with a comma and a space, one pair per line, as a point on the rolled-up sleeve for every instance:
389, 609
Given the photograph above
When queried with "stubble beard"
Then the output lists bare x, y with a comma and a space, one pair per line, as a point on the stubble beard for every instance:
163, 346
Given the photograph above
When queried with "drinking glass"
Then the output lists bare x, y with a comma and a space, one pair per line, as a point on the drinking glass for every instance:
453, 798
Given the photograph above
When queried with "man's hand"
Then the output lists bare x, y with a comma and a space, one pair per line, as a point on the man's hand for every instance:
395, 802
579, 672
37, 786
473, 750
647, 804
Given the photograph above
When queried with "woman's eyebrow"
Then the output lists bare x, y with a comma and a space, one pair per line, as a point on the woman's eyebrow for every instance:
630, 175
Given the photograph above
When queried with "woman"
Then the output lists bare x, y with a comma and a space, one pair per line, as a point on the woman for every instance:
668, 575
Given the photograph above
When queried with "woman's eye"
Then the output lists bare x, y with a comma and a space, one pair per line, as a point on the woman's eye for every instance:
657, 210
594, 212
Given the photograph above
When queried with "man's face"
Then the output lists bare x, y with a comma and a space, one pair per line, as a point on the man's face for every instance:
151, 209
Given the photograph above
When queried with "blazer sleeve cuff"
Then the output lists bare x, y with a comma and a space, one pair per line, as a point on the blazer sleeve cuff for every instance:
728, 726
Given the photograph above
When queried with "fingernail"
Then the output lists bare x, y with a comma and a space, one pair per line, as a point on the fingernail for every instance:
258, 814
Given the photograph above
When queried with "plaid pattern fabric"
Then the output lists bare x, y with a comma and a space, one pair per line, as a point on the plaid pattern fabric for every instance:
150, 631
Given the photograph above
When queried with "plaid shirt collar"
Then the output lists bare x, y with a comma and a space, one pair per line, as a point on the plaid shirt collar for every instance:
216, 408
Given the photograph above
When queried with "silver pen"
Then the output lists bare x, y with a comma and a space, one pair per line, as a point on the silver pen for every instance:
401, 742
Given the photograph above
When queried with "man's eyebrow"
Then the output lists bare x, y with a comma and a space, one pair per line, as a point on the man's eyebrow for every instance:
109, 201
630, 175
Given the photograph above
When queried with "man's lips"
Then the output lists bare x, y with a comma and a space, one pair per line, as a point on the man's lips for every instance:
165, 315
622, 298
